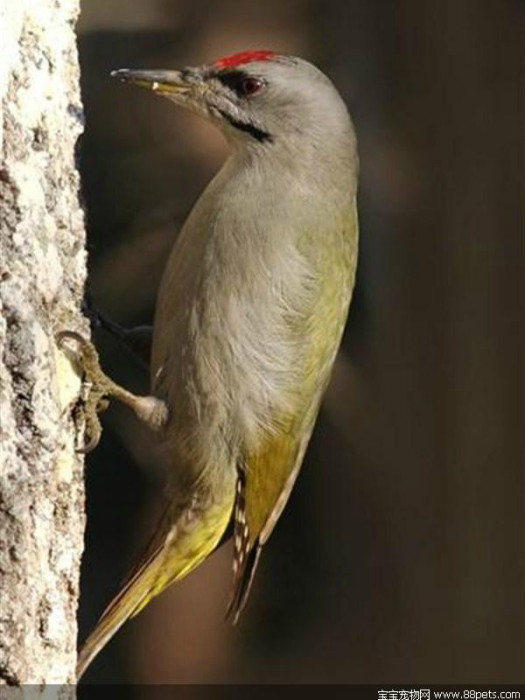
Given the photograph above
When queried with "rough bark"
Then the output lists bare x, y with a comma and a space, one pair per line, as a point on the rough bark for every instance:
42, 272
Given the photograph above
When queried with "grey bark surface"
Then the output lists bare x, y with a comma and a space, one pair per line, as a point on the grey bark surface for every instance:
42, 272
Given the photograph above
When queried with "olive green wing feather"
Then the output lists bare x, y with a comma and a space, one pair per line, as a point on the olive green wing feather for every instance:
265, 481
264, 484
268, 472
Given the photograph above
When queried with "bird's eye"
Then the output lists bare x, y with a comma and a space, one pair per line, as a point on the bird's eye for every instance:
251, 86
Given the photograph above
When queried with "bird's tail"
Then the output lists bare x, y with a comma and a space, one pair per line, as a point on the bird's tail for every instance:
182, 547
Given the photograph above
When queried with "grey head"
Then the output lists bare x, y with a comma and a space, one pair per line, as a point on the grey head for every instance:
261, 100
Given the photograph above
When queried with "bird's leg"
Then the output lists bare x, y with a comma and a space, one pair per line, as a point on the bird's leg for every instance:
136, 340
99, 388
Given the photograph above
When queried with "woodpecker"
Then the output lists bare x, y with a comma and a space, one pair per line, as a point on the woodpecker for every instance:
249, 316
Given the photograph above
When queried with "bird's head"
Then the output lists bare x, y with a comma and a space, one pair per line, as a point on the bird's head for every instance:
257, 98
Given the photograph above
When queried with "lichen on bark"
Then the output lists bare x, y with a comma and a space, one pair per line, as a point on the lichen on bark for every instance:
42, 273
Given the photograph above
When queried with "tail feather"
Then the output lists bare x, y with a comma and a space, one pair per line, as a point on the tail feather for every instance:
242, 584
129, 601
179, 546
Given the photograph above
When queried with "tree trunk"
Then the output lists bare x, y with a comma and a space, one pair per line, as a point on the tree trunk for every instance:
42, 272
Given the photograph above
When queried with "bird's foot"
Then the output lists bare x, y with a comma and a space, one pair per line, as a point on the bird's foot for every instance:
98, 388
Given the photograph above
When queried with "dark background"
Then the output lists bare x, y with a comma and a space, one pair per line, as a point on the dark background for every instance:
401, 554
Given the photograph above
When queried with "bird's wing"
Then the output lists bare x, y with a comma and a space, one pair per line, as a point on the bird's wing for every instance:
264, 485
269, 471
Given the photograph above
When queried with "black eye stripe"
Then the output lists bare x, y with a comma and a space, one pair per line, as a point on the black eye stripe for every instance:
258, 134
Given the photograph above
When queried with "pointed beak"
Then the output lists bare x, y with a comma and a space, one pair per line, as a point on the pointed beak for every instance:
164, 82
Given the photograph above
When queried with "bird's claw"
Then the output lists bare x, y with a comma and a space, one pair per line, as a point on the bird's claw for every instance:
96, 386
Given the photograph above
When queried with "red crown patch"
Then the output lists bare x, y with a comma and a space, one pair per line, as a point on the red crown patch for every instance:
239, 59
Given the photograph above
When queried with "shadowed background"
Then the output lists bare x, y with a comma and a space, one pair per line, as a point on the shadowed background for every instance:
401, 553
